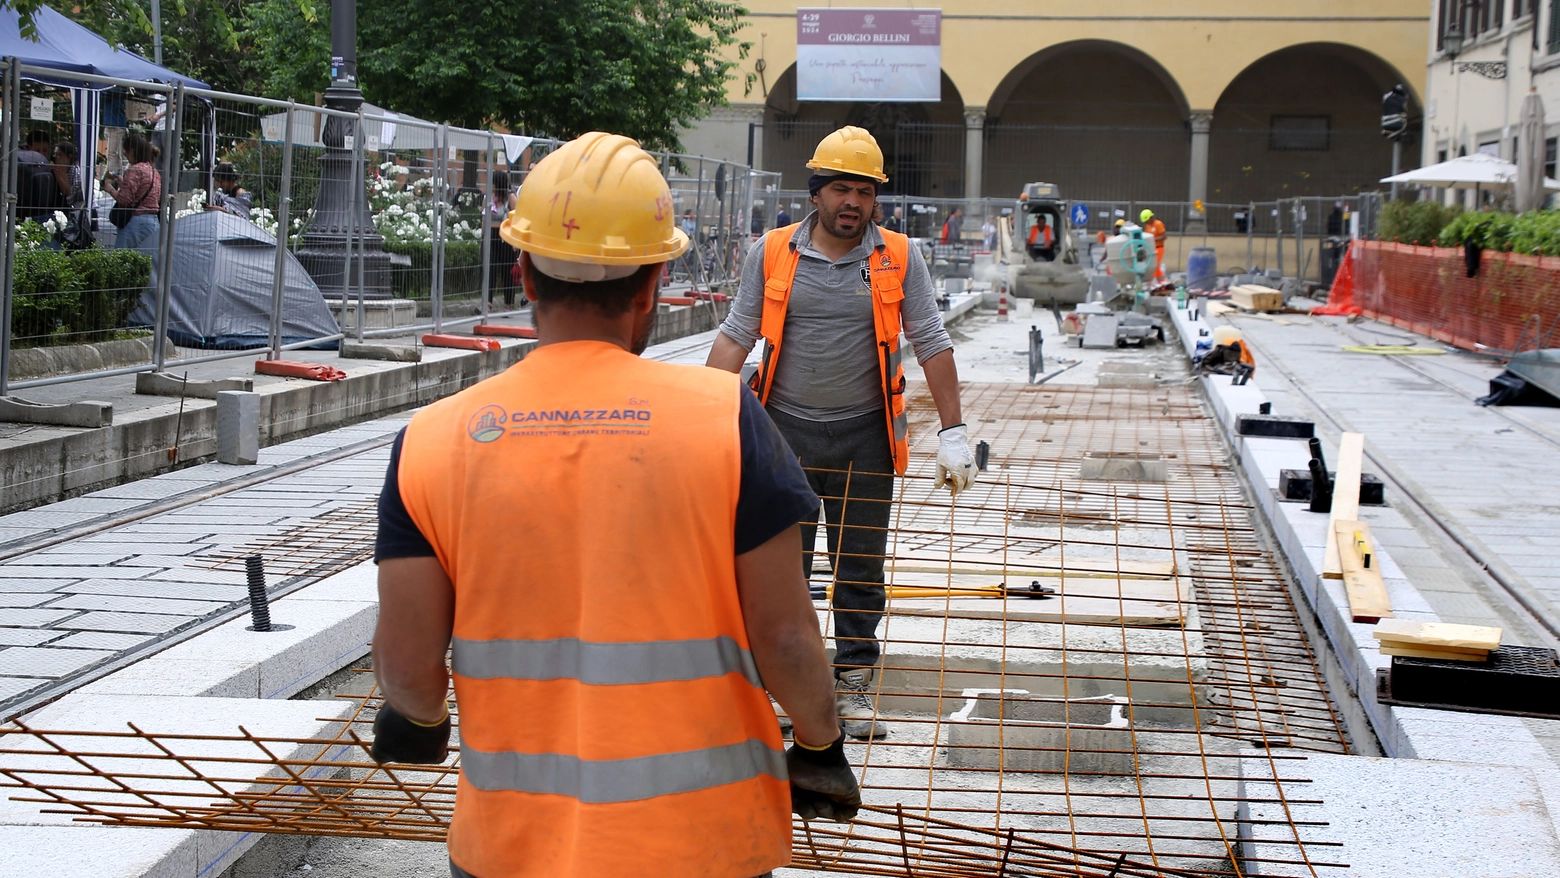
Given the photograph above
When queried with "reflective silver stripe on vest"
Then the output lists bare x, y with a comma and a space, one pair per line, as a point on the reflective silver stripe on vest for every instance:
620, 780
896, 358
603, 664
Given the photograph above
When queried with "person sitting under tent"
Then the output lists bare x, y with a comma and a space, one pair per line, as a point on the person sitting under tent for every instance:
1229, 355
227, 195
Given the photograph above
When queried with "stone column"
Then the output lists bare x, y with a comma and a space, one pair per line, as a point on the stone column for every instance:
1197, 179
974, 150
1198, 188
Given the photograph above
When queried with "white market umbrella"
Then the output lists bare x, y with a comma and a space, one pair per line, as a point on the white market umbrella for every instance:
1530, 154
1477, 171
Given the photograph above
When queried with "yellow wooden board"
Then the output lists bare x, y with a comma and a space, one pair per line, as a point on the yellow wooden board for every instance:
1451, 655
1368, 601
1257, 298
1346, 495
1437, 635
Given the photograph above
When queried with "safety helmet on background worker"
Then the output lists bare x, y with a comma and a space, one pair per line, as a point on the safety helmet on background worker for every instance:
1223, 335
1145, 216
596, 208
849, 151
1119, 224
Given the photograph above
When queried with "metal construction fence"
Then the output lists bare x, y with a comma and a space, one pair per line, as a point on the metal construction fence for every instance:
388, 224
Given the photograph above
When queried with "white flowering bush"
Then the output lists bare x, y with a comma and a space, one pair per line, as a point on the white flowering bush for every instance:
410, 215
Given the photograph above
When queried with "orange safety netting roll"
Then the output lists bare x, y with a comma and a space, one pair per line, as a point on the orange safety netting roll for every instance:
1427, 290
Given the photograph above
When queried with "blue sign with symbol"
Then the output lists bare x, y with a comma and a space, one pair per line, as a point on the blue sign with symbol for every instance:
1080, 214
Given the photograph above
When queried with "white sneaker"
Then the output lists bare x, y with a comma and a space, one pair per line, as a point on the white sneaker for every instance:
854, 700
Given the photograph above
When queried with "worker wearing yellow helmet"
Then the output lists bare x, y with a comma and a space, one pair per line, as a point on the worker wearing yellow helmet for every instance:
837, 290
1155, 227
610, 669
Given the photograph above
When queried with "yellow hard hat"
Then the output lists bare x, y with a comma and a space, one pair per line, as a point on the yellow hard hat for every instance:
1145, 216
1223, 335
598, 200
850, 150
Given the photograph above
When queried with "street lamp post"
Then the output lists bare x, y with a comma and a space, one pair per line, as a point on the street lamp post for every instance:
341, 233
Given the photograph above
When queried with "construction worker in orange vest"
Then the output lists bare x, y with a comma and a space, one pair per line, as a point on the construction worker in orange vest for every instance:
610, 669
837, 289
1155, 228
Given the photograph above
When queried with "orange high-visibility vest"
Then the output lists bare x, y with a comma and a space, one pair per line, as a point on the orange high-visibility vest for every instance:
612, 720
888, 266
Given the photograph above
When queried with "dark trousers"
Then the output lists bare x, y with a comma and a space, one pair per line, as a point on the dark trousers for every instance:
849, 467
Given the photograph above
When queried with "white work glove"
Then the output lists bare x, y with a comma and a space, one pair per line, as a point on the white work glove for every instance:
955, 460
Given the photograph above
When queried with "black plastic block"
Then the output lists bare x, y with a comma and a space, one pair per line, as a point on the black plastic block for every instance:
1520, 680
1295, 484
1274, 426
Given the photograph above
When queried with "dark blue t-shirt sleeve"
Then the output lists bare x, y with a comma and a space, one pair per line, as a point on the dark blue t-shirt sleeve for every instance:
398, 535
774, 493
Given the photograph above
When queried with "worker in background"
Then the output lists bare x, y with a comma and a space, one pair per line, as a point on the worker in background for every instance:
1229, 355
953, 226
1152, 226
1042, 240
837, 289
782, 219
610, 671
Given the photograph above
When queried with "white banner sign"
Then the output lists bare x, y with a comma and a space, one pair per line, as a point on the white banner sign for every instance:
869, 55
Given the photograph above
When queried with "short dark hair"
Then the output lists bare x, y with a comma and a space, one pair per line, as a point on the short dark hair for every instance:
137, 148
611, 297
225, 171
71, 153
500, 181
38, 135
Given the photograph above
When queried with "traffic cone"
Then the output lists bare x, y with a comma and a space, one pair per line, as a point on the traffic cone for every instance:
1002, 308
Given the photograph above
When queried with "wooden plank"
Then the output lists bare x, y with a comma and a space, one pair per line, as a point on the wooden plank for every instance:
1438, 635
1346, 495
1257, 298
1368, 601
1450, 655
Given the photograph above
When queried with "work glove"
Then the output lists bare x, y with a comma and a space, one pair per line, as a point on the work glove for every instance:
822, 784
955, 460
399, 739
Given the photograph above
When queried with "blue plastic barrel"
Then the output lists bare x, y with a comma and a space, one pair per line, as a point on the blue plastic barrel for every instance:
1201, 268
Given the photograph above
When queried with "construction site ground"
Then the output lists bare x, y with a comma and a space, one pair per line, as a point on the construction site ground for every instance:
1199, 737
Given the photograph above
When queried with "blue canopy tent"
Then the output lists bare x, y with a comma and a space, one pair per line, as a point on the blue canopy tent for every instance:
67, 47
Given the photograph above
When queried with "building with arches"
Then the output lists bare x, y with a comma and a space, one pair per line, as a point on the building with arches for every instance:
1194, 100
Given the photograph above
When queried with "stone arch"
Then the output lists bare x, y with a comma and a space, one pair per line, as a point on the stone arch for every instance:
923, 143
1305, 120
1101, 119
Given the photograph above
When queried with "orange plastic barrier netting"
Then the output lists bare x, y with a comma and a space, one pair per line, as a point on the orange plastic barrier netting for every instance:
1427, 290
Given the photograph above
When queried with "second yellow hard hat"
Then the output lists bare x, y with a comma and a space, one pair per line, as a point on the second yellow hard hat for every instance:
850, 150
599, 200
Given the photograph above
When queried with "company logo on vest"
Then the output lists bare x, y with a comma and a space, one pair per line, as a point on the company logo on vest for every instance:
487, 424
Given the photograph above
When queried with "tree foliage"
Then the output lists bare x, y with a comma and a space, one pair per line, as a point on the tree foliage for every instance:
644, 68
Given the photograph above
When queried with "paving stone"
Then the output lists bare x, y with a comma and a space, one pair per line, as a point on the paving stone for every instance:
157, 562
27, 636
94, 504
32, 618
24, 599
152, 489
10, 687
46, 661
138, 604
100, 640
30, 570
195, 591
45, 520
25, 586
77, 558
200, 574
136, 623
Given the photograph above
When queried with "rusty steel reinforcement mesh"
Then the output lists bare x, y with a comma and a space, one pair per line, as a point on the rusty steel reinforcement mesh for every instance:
1427, 290
1086, 656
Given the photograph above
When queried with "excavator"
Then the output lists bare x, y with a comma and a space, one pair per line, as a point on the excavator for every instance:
1039, 249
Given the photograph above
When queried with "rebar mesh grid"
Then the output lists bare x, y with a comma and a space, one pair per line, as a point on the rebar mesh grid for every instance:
1101, 727
324, 545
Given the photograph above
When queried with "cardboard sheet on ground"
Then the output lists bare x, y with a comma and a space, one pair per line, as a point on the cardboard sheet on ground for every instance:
1152, 603
1038, 566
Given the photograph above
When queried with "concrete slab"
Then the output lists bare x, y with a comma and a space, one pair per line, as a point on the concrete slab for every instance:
1395, 818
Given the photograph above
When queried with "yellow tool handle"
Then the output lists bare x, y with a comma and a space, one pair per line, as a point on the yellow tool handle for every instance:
935, 591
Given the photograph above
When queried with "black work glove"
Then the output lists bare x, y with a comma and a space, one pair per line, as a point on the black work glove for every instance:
822, 783
398, 739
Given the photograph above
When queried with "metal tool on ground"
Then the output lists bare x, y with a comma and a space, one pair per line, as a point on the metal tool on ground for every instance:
1036, 358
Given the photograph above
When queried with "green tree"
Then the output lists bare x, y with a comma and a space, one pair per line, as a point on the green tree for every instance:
645, 68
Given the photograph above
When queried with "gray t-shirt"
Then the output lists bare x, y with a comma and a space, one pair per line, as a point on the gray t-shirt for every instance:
828, 369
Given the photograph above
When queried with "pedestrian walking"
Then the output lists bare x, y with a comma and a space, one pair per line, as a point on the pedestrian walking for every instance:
837, 289
501, 256
610, 670
137, 197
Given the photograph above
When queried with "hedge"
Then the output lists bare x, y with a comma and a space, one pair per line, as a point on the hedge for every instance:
66, 297
462, 269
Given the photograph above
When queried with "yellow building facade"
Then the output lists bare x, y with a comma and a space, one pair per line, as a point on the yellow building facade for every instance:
1215, 100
